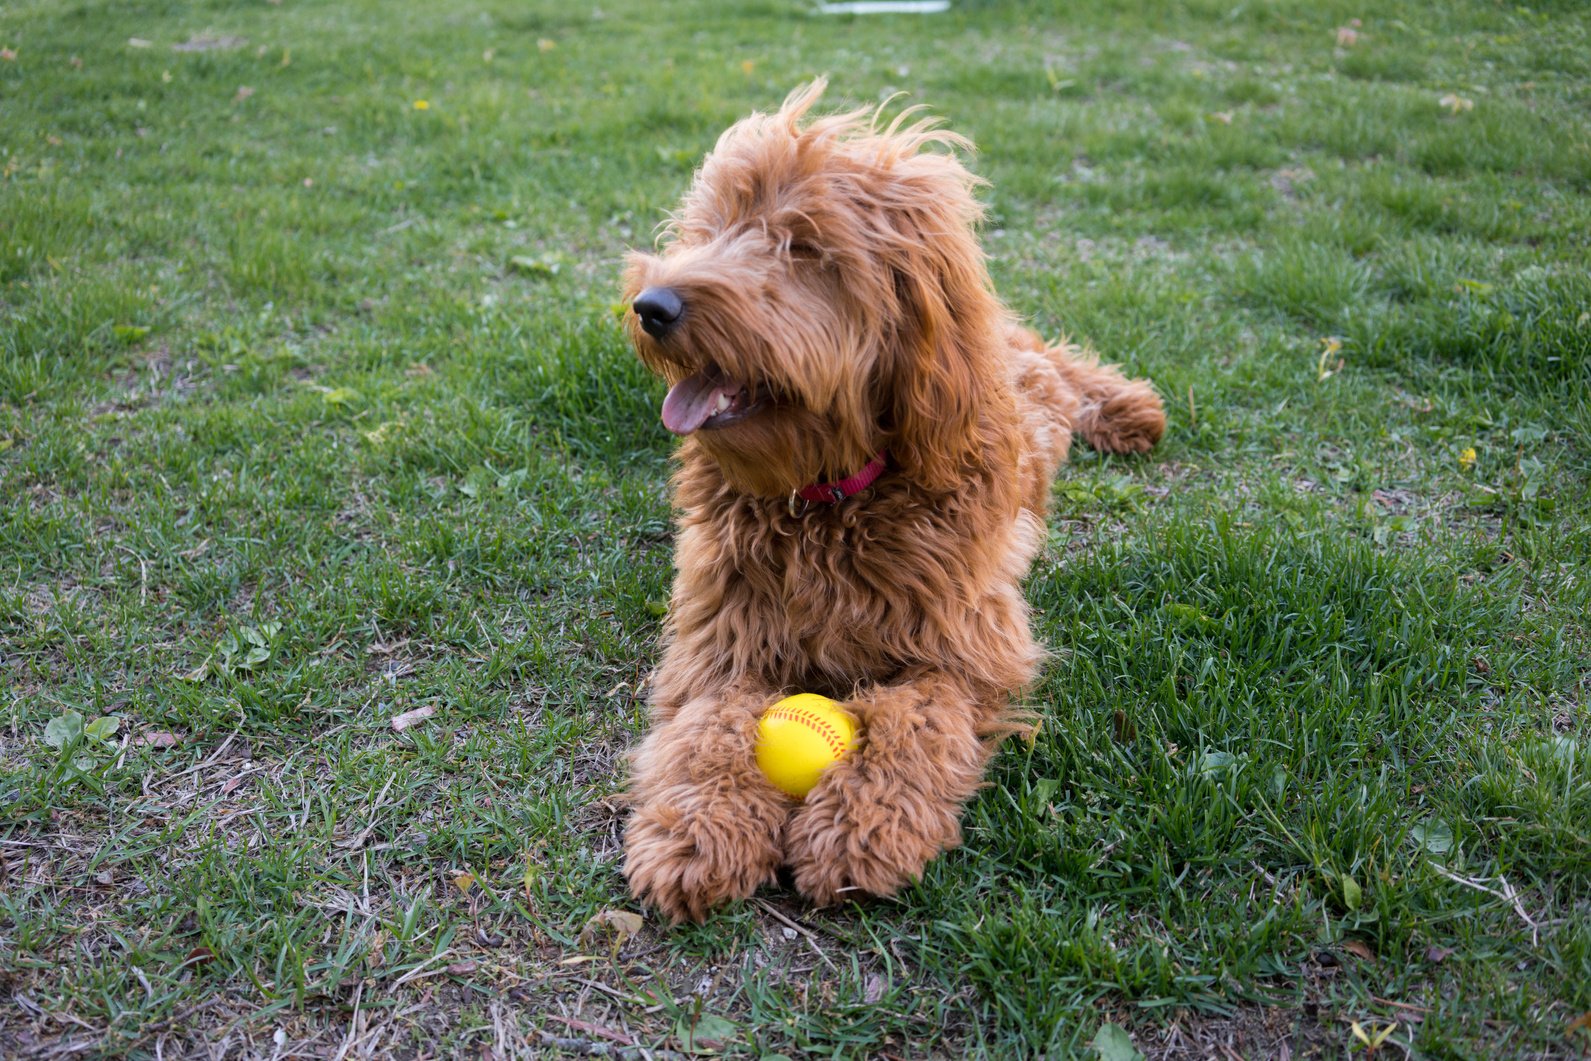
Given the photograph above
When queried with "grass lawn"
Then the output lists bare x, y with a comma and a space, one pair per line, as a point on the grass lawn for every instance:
315, 411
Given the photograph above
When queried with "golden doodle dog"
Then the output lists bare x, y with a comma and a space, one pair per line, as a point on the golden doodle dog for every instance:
869, 439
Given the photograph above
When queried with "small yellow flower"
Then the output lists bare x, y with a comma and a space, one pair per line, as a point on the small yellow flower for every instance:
1330, 347
1466, 458
422, 104
1374, 1038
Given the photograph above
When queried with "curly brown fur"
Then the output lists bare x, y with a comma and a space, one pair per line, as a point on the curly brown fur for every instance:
829, 269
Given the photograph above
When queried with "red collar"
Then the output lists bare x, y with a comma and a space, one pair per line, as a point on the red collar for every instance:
834, 493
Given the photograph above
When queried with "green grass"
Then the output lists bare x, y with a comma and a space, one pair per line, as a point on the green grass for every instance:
314, 410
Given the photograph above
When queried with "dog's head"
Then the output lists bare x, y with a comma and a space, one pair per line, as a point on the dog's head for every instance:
821, 296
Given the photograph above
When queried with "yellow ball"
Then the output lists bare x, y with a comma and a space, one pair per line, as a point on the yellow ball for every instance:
801, 736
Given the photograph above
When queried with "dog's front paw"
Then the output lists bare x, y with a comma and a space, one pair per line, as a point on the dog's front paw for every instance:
687, 862
855, 837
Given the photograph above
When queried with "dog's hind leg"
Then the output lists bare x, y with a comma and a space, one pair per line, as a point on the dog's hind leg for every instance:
1095, 402
1114, 414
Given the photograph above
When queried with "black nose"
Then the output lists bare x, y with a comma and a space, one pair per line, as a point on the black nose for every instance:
659, 309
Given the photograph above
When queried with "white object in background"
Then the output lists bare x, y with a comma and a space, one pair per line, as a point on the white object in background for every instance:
886, 7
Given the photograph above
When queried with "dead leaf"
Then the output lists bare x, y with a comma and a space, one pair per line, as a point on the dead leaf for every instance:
1456, 104
138, 42
226, 789
462, 968
199, 956
1125, 729
1437, 955
1582, 1021
546, 45
1347, 36
464, 882
620, 924
243, 93
158, 738
8, 54
410, 718
1359, 948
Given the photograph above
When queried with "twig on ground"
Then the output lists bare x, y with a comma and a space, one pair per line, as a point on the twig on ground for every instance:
811, 937
1507, 895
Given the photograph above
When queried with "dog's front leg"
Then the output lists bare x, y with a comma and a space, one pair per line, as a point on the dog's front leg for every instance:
877, 817
706, 824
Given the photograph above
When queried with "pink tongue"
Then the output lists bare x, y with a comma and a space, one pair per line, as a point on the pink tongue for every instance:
692, 400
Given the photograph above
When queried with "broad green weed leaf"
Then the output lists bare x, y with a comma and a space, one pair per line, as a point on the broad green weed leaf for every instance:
1044, 790
103, 728
1188, 616
705, 1034
1435, 836
1217, 763
63, 730
340, 396
1114, 1044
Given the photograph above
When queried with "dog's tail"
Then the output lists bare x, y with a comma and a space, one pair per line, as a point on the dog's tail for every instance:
1115, 414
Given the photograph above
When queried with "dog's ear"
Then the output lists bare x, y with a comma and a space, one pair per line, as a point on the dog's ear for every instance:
944, 367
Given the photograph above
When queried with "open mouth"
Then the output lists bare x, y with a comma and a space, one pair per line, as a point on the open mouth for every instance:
707, 400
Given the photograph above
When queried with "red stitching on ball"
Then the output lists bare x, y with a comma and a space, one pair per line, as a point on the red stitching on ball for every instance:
821, 726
